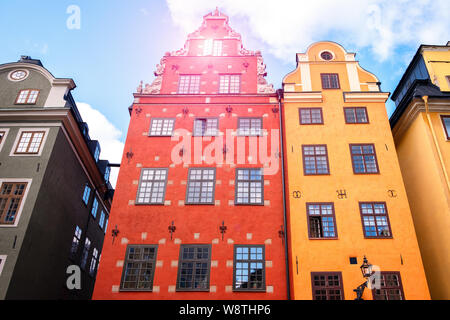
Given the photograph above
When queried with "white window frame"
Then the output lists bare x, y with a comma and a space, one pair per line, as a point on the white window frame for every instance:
217, 48
2, 262
19, 134
2, 143
22, 203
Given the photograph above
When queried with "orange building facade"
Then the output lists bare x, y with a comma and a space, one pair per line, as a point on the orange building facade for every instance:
345, 193
198, 208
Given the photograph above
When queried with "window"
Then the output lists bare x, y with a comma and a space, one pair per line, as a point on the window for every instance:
249, 268
250, 126
446, 123
330, 80
189, 84
11, 195
194, 268
93, 265
230, 83
375, 220
321, 220
106, 225
326, 55
327, 286
107, 173
315, 160
391, 287
139, 268
200, 188
29, 142
101, 222
249, 186
206, 126
356, 115
207, 47
75, 242
94, 208
85, 254
364, 159
213, 47
217, 47
310, 115
152, 187
97, 153
86, 194
28, 96
162, 127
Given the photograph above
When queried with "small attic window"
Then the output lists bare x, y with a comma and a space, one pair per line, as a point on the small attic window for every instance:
326, 55
97, 153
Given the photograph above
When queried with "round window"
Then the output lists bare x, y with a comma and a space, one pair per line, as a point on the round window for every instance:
326, 55
18, 75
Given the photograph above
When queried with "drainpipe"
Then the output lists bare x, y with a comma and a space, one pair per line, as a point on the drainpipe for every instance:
436, 144
286, 251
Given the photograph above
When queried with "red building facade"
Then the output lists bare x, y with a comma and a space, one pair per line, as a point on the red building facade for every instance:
198, 208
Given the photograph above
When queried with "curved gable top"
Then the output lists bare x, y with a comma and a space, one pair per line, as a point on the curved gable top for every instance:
339, 55
53, 81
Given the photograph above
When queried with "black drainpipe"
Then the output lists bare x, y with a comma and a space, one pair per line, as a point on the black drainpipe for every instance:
286, 251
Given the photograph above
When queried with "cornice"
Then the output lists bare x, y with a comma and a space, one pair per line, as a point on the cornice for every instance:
415, 107
70, 125
366, 96
305, 96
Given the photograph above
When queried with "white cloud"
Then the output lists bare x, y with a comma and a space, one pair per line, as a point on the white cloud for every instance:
289, 26
101, 129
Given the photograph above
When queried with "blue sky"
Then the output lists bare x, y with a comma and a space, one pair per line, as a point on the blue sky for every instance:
119, 43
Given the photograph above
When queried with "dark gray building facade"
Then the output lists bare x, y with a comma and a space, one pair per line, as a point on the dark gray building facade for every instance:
55, 194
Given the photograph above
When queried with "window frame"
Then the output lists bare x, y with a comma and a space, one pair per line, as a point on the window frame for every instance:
310, 114
355, 114
322, 75
94, 262
326, 288
315, 159
154, 261
86, 249
83, 198
447, 137
5, 132
249, 261
239, 133
386, 214
195, 133
162, 127
28, 97
94, 208
22, 198
16, 147
190, 76
181, 260
229, 86
363, 155
73, 253
400, 287
236, 182
201, 187
333, 215
137, 202
2, 262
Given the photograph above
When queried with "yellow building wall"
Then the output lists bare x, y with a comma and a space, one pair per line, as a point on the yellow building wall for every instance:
428, 196
401, 253
438, 66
